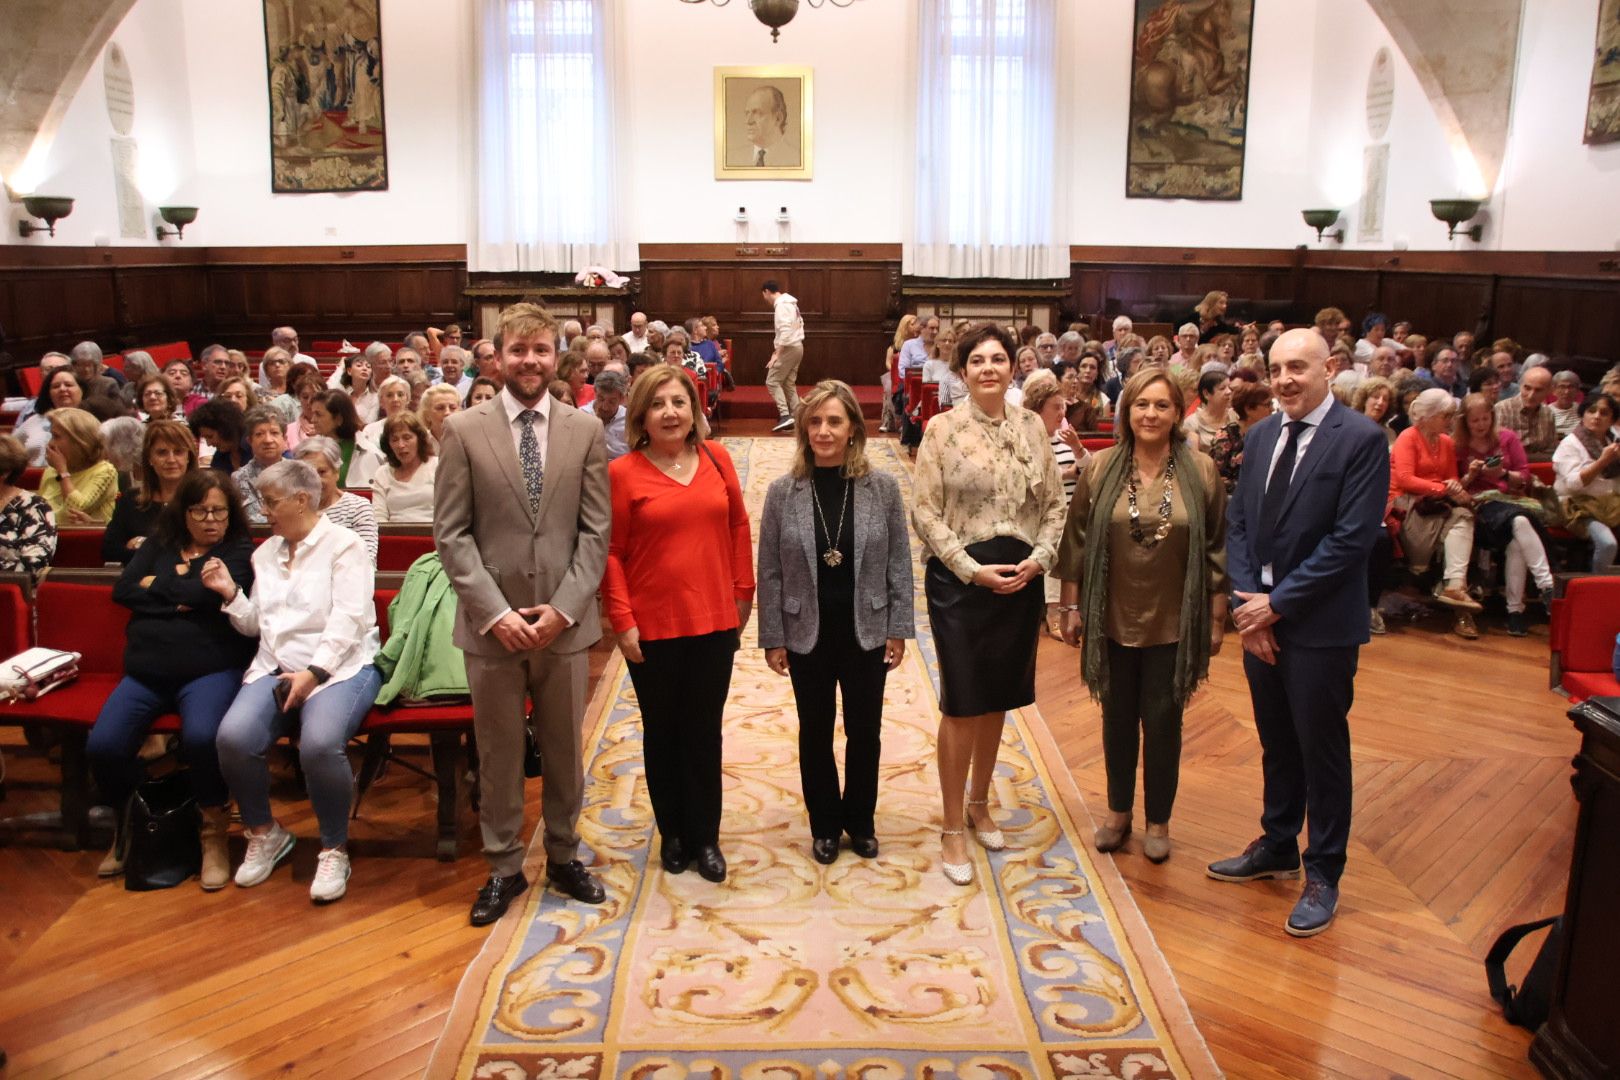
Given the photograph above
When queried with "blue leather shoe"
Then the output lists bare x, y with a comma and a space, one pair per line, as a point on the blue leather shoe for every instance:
1256, 862
1314, 912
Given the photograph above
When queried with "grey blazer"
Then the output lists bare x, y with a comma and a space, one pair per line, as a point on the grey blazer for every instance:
789, 616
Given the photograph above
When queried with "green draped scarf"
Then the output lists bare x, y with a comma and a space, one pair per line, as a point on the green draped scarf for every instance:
1192, 650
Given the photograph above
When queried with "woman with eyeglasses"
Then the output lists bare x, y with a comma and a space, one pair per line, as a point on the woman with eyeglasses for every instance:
181, 655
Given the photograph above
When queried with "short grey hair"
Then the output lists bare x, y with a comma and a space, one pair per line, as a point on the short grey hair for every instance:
1565, 376
408, 349
122, 436
676, 332
87, 350
263, 414
389, 381
138, 364
376, 349
1124, 358
210, 350
1123, 322
455, 352
287, 478
1069, 337
659, 325
611, 382
1046, 337
1186, 326
324, 445
1432, 402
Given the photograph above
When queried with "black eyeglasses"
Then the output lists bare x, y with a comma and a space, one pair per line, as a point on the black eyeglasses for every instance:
208, 513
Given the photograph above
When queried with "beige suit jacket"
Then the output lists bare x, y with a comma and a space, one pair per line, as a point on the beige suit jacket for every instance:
497, 554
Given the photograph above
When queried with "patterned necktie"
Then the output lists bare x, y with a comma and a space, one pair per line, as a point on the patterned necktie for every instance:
1277, 491
759, 156
529, 458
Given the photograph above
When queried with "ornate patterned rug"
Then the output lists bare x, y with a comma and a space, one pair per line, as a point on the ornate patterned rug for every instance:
792, 970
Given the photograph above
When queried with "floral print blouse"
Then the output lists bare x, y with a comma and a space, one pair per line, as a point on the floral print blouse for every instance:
978, 478
27, 534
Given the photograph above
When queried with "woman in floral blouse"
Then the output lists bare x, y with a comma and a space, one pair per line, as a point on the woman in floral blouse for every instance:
989, 508
27, 527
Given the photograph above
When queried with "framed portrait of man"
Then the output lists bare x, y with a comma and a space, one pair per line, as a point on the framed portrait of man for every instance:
762, 123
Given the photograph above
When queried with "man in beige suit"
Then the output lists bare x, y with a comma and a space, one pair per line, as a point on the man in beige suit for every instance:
520, 519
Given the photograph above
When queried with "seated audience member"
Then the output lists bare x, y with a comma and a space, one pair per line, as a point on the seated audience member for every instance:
157, 400
482, 390
308, 388
1122, 326
274, 367
1437, 511
1507, 519
1088, 390
1046, 349
393, 398
453, 360
1210, 317
179, 374
1587, 464
48, 363
915, 351
561, 391
335, 418
1504, 361
608, 407
286, 339
440, 340
1214, 411
167, 453
438, 405
640, 362
122, 437
707, 349
99, 379
239, 391
180, 655
1527, 415
1025, 364
486, 361
407, 362
1566, 403
419, 383
573, 368
240, 368
1186, 354
1249, 354
1070, 342
62, 389
138, 366
1375, 399
267, 439
345, 508
1332, 324
356, 382
1485, 382
1127, 361
618, 352
1382, 363
214, 367
1225, 350
1442, 372
686, 358
311, 607
402, 490
80, 484
217, 424
418, 343
1373, 329
27, 526
1251, 403
1044, 398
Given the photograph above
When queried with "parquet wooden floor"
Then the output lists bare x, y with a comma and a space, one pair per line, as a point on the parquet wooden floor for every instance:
1463, 825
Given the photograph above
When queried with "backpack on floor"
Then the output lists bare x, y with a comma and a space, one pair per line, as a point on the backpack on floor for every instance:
164, 848
1526, 1005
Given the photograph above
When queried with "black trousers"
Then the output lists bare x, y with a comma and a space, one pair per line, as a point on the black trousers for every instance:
1141, 708
838, 662
1301, 712
682, 685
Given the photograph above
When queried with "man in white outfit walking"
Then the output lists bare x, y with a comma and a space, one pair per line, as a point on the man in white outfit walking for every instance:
787, 350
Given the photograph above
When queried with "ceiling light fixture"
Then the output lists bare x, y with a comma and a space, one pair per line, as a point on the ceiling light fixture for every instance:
775, 13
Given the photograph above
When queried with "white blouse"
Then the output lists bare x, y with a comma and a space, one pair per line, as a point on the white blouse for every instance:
318, 611
1568, 461
411, 501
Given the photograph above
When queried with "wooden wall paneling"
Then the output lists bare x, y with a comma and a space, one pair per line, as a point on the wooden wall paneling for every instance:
411, 293
45, 309
1559, 317
1437, 304
1355, 292
373, 292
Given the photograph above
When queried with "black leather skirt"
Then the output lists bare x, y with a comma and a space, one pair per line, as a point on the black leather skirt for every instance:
985, 641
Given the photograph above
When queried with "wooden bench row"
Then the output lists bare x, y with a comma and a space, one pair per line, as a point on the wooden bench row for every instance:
75, 611
398, 546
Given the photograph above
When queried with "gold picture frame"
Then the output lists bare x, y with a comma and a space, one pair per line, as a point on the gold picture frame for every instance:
763, 123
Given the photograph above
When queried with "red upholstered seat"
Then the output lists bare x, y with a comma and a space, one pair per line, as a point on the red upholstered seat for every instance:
396, 552
1580, 685
162, 354
84, 619
31, 477
1094, 443
1543, 471
79, 548
16, 628
1585, 621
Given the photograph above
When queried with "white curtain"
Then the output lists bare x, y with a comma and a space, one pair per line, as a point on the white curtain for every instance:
987, 201
548, 177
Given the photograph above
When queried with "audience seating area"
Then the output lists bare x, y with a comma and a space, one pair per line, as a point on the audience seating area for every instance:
74, 610
397, 546
1585, 620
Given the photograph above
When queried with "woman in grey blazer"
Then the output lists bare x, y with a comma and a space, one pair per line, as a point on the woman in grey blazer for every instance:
835, 607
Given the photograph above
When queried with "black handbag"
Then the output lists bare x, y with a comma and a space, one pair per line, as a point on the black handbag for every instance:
1527, 1005
164, 848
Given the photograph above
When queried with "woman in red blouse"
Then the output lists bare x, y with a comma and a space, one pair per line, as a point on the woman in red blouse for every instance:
1439, 516
679, 588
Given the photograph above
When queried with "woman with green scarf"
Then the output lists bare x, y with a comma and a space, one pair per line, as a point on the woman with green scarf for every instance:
1143, 565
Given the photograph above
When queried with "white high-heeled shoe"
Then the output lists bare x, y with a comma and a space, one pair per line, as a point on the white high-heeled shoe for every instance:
990, 840
955, 873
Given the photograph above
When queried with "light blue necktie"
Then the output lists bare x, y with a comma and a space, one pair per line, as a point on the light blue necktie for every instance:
529, 458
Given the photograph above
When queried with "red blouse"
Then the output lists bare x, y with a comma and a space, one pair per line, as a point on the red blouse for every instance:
680, 556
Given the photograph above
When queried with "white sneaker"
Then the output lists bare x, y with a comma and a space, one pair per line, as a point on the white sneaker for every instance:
331, 876
263, 853
783, 424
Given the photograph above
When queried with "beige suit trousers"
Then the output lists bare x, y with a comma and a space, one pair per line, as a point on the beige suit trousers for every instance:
781, 379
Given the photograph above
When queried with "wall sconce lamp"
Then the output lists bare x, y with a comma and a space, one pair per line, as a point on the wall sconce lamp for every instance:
782, 216
49, 208
1321, 220
1456, 211
741, 217
179, 217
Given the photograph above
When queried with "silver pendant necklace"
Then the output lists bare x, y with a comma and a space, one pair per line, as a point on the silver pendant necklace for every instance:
832, 556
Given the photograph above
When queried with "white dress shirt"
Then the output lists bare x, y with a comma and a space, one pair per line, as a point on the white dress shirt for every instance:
1302, 442
316, 612
633, 343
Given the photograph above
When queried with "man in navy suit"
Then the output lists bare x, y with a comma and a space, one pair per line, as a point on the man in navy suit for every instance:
1308, 506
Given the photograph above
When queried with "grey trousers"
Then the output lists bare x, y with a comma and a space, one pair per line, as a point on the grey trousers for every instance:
555, 683
782, 379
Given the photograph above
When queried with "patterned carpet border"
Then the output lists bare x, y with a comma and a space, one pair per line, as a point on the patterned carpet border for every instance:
791, 970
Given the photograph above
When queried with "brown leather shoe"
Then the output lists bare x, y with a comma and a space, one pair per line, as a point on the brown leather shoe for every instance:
1111, 837
1464, 626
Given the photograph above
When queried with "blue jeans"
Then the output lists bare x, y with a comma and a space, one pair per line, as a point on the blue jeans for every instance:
115, 740
327, 721
1603, 546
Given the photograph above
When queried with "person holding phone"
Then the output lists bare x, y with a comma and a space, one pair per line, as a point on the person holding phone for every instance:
312, 609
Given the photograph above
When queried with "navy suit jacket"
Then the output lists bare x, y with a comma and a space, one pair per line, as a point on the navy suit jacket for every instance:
1329, 522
